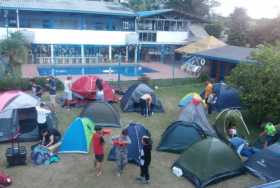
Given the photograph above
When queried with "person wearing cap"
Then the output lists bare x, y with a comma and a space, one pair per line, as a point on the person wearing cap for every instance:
270, 133
98, 149
145, 160
121, 144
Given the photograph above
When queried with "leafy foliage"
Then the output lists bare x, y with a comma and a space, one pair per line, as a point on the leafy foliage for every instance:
259, 84
215, 29
15, 47
239, 26
197, 7
141, 5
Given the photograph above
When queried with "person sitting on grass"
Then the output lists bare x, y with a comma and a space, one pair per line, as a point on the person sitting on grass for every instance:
270, 132
51, 138
121, 143
98, 149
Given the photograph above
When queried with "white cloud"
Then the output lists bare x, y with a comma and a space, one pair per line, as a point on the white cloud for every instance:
255, 8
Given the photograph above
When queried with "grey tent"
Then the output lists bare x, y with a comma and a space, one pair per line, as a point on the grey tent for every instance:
195, 112
130, 102
266, 163
208, 161
18, 113
179, 136
102, 114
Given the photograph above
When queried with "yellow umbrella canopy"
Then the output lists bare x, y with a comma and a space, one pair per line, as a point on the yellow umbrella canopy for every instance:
201, 45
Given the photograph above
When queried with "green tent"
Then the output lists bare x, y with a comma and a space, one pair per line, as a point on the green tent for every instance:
233, 117
207, 161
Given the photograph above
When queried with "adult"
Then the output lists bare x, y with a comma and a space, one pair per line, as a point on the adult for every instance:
212, 100
51, 138
99, 90
42, 114
242, 147
145, 160
146, 104
208, 90
67, 91
37, 90
121, 144
52, 91
270, 133
98, 149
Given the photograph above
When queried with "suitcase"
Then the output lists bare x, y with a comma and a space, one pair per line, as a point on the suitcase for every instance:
16, 155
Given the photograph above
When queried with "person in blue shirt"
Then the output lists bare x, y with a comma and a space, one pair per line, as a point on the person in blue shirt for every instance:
242, 147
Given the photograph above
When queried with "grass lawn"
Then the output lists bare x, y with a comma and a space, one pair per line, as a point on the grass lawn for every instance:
76, 171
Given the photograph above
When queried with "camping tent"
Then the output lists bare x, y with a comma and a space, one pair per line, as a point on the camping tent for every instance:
266, 163
18, 113
274, 184
201, 45
102, 114
194, 112
130, 102
207, 161
86, 87
228, 97
188, 98
230, 117
135, 132
77, 137
179, 136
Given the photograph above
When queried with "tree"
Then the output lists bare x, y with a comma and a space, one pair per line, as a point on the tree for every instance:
238, 27
197, 7
15, 48
264, 31
259, 84
140, 5
215, 29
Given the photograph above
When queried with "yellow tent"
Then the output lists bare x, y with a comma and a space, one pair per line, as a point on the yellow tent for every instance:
201, 45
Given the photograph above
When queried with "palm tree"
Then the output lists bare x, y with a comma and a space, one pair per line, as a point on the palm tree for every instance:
15, 48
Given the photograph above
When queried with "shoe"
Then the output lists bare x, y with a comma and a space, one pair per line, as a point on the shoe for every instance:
146, 182
140, 178
119, 174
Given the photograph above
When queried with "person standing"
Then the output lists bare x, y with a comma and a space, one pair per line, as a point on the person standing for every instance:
145, 160
52, 91
67, 91
98, 149
121, 145
146, 104
37, 90
42, 114
208, 90
211, 101
99, 90
270, 133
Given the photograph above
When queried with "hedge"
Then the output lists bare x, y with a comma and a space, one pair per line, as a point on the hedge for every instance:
24, 83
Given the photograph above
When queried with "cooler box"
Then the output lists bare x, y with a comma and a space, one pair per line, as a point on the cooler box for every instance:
16, 155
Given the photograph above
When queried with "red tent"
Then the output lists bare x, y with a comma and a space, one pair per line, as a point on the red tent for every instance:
85, 86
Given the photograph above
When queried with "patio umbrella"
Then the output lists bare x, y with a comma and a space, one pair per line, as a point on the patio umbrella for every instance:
189, 98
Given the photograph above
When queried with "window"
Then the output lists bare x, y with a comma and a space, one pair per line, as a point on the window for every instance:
125, 25
148, 37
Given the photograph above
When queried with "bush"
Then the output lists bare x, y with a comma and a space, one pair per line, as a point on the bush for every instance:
203, 77
24, 84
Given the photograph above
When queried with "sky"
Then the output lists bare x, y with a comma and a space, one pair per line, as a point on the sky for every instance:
255, 8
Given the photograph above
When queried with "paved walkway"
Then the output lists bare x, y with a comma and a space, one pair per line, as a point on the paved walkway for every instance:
164, 71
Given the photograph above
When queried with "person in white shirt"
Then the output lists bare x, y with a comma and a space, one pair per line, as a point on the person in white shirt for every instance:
42, 114
67, 91
146, 104
99, 91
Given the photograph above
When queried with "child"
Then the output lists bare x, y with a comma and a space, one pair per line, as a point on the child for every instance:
232, 132
121, 143
145, 160
98, 149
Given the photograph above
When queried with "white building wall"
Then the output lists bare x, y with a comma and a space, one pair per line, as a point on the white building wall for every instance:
64, 36
170, 37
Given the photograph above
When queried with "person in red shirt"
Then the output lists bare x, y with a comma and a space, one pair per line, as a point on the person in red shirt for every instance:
98, 149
